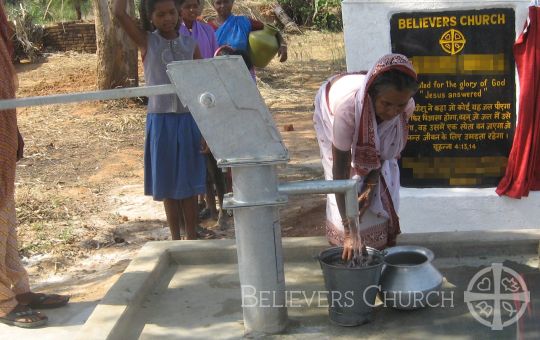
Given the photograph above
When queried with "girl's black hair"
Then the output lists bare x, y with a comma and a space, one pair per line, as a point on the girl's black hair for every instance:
146, 9
397, 79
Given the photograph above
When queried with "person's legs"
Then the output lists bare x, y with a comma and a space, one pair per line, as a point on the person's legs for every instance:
14, 284
190, 215
228, 179
202, 202
217, 179
14, 268
12, 273
220, 189
7, 222
181, 221
211, 201
210, 195
173, 213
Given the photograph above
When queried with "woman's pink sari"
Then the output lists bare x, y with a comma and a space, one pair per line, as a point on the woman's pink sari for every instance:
373, 146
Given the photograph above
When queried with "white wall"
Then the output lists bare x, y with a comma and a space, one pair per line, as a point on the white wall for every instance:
461, 209
367, 37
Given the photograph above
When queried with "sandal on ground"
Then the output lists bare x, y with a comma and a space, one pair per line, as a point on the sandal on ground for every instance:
24, 317
42, 301
222, 221
204, 214
204, 233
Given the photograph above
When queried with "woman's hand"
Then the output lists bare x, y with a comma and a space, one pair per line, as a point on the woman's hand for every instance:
364, 200
282, 53
204, 147
20, 146
282, 50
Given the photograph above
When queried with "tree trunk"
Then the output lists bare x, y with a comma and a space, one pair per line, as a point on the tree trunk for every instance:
116, 53
289, 25
77, 6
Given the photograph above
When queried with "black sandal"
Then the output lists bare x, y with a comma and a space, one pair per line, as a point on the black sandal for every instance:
20, 315
204, 214
205, 233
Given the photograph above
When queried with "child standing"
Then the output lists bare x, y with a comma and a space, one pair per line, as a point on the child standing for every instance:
206, 40
174, 166
202, 32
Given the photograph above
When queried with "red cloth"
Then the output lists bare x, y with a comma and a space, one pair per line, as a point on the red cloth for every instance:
8, 122
523, 170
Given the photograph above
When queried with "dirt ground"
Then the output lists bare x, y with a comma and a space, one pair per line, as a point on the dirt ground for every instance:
81, 209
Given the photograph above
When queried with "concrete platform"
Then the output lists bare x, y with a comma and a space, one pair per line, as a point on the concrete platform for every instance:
190, 290
64, 323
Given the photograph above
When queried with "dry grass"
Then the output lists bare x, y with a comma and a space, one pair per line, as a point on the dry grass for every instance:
312, 57
255, 9
48, 220
60, 182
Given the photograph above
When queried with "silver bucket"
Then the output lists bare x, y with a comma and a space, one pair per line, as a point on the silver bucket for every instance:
351, 291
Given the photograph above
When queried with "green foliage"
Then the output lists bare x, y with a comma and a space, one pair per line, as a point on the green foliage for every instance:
28, 37
50, 11
322, 14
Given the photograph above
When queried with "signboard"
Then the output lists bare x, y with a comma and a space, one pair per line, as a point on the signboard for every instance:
462, 128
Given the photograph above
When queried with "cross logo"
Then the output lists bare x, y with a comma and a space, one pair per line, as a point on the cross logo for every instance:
497, 296
452, 41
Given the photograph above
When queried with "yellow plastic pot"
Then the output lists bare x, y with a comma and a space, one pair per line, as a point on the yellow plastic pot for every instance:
263, 45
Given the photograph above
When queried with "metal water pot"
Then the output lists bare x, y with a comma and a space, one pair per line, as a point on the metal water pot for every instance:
409, 280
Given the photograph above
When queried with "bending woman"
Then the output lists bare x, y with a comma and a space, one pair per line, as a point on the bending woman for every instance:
361, 122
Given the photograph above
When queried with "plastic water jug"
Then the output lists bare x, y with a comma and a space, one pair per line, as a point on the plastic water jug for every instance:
263, 45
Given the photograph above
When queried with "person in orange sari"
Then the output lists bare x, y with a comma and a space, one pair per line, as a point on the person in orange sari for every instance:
16, 299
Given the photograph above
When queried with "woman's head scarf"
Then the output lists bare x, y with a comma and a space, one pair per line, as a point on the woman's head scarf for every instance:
366, 156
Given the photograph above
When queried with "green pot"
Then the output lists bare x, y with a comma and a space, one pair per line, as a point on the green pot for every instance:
263, 45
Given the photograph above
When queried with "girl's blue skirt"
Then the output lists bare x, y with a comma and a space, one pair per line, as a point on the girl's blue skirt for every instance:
174, 166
